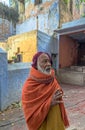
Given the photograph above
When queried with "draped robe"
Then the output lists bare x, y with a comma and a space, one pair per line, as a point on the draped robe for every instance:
37, 94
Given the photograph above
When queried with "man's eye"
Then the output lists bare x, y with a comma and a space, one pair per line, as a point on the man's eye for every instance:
45, 61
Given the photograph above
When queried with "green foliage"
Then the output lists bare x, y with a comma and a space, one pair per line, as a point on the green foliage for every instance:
78, 3
82, 1
8, 13
83, 15
66, 1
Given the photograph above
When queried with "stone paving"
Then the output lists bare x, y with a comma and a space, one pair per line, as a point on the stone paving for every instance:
75, 104
74, 98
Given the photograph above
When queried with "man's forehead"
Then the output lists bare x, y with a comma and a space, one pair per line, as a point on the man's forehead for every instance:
43, 56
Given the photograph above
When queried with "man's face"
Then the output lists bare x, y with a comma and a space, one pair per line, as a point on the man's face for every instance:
44, 64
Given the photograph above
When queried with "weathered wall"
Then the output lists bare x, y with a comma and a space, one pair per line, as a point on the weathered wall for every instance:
48, 44
78, 9
6, 29
26, 26
75, 9
12, 78
27, 42
67, 52
30, 43
3, 79
43, 42
3, 45
44, 17
65, 14
17, 74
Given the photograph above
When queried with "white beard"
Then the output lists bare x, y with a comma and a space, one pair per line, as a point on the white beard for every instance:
47, 70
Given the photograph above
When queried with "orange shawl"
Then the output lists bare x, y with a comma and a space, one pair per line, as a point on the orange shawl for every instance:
36, 98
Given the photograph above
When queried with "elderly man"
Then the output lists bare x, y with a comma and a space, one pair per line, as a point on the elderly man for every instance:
42, 97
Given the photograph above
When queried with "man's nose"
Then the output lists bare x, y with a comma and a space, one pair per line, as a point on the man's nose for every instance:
48, 63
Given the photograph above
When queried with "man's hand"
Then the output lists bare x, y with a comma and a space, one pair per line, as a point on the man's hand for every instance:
56, 98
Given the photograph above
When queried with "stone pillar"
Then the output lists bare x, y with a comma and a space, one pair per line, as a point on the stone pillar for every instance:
3, 80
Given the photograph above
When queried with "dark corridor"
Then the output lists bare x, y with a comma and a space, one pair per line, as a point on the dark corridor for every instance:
81, 54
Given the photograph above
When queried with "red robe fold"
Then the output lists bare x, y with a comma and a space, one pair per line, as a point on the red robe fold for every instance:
36, 98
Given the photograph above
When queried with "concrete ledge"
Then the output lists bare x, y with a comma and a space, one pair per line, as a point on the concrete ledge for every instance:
71, 77
17, 66
78, 68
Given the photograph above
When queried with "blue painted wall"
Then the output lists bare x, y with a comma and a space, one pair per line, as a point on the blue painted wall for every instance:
3, 79
43, 43
27, 26
16, 77
12, 78
48, 44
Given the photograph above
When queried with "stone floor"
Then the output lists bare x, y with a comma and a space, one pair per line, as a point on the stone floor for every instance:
74, 98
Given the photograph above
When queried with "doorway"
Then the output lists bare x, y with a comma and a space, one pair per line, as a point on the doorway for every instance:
81, 54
